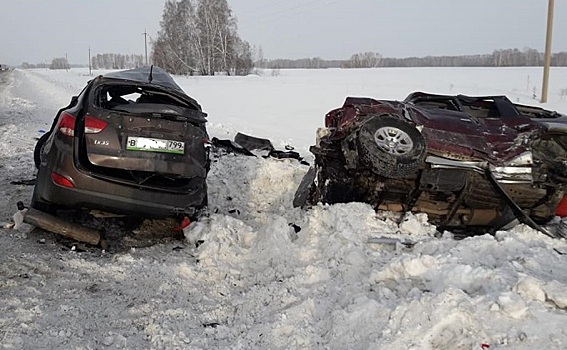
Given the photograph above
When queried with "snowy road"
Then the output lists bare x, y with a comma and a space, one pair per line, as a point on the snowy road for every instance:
255, 283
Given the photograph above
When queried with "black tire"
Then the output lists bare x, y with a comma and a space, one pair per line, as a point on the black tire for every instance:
391, 147
39, 148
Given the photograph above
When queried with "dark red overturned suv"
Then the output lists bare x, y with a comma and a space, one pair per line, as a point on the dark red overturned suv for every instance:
468, 162
131, 142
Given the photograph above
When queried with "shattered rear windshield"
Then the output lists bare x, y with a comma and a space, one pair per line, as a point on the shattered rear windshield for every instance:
124, 96
147, 102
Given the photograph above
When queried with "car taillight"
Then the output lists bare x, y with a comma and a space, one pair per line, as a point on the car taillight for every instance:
94, 125
61, 180
67, 124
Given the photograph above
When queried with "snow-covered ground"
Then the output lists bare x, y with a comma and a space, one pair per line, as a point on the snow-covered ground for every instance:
256, 283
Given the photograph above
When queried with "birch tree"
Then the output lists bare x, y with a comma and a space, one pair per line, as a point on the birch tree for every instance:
172, 49
199, 36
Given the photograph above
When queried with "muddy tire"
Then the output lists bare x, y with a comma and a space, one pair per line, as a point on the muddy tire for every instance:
391, 147
39, 148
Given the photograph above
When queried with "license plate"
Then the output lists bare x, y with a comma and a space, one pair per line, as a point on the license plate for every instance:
155, 145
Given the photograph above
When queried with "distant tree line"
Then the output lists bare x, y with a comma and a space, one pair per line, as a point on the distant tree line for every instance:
100, 61
199, 37
499, 58
26, 65
310, 63
116, 61
233, 56
59, 63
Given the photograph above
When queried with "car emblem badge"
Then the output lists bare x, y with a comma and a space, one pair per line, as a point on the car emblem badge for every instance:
102, 142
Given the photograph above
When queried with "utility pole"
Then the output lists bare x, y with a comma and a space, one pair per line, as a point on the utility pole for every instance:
66, 63
145, 33
547, 59
90, 67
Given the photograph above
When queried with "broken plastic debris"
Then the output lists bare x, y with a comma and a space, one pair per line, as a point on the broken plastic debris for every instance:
184, 223
193, 232
19, 218
7, 225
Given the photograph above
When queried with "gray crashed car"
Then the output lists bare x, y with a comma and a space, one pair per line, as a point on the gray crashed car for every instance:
132, 142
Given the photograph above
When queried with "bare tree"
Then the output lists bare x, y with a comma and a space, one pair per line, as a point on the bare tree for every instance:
242, 62
172, 49
364, 60
116, 61
59, 63
258, 56
199, 36
217, 35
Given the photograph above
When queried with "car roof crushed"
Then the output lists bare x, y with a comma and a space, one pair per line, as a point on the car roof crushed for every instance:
142, 75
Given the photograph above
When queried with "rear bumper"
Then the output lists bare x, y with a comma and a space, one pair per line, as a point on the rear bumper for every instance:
94, 193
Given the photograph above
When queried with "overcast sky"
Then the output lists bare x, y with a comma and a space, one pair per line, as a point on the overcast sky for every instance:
38, 30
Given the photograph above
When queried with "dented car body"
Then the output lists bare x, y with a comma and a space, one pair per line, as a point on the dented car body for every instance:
132, 142
468, 162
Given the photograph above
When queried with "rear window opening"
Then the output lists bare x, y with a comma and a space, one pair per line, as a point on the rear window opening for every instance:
113, 96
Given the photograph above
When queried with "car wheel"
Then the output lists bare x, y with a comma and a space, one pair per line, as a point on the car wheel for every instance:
391, 147
39, 148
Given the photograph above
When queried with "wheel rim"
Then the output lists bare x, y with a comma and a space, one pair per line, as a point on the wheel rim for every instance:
393, 140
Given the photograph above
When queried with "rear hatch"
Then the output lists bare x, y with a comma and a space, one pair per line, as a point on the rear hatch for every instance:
132, 131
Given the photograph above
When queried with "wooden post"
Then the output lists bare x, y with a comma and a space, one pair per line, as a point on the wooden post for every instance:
547, 59
53, 224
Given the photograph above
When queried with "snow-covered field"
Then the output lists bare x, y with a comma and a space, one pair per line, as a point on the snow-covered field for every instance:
256, 283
